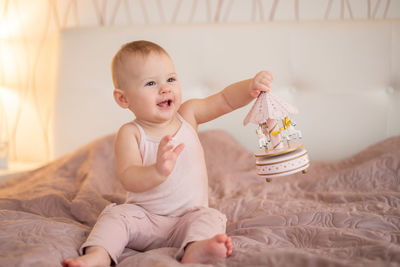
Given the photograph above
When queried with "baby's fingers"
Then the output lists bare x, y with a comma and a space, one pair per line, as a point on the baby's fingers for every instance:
165, 140
178, 149
263, 87
165, 144
266, 75
261, 83
167, 157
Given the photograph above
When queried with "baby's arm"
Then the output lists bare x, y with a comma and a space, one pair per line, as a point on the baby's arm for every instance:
242, 93
234, 96
133, 176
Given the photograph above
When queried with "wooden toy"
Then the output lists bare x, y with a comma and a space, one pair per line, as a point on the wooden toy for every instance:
280, 154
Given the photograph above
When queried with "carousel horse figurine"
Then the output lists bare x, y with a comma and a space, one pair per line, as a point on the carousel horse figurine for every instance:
290, 132
262, 139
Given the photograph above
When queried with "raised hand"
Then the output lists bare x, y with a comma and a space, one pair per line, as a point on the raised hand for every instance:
167, 155
261, 83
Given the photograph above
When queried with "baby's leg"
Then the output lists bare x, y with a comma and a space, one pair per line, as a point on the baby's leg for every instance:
201, 236
94, 256
203, 251
109, 236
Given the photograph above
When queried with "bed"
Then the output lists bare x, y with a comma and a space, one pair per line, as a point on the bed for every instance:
344, 78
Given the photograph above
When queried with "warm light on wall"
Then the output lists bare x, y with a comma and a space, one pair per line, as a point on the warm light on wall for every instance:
9, 102
7, 64
9, 98
9, 27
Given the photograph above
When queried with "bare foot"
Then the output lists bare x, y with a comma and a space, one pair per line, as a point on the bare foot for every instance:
73, 263
219, 246
95, 256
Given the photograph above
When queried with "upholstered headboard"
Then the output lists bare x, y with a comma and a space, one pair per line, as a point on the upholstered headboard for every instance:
343, 76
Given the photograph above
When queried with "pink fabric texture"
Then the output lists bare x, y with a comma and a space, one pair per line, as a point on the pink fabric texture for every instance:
342, 213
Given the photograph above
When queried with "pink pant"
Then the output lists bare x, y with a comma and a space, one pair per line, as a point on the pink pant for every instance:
129, 225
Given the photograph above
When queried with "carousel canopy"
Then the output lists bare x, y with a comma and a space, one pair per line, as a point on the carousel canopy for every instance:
269, 106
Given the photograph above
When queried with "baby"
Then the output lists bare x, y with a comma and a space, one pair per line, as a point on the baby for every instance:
160, 162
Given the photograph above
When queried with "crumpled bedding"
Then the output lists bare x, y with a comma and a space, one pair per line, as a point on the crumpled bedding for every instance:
343, 213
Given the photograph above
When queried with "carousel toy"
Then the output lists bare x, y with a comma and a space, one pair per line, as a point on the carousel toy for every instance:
281, 152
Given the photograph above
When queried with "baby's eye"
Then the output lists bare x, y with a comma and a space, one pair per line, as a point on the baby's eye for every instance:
171, 80
152, 83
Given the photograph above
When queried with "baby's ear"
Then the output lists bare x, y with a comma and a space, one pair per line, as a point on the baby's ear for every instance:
119, 97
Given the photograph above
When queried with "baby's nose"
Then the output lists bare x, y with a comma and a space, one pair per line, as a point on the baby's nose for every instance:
165, 88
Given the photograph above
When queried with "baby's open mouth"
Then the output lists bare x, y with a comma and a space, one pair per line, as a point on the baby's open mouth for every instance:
165, 103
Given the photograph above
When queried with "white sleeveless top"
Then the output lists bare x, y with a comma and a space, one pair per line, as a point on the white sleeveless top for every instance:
186, 187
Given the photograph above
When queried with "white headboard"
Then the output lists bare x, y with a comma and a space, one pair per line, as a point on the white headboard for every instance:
343, 76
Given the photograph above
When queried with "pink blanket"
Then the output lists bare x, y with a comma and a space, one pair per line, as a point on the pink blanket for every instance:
344, 213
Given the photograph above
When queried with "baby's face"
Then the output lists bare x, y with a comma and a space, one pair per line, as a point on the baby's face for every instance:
152, 87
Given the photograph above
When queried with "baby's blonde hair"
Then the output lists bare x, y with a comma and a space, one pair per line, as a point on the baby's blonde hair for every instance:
141, 47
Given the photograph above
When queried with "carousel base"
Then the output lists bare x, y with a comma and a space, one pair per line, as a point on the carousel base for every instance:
281, 162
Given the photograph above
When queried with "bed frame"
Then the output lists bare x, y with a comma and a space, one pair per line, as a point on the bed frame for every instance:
343, 76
